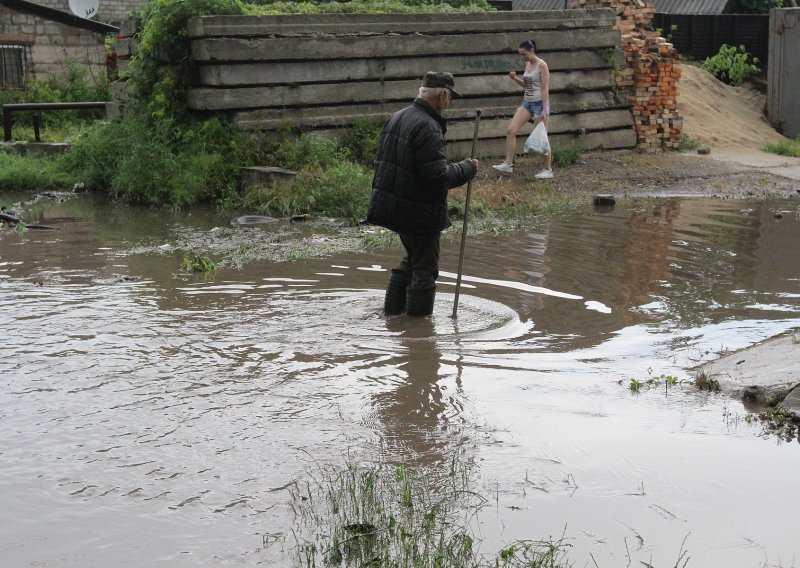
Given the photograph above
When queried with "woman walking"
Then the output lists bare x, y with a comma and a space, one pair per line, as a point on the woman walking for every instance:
535, 104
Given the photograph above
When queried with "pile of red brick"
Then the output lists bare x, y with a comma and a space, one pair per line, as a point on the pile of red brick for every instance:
651, 76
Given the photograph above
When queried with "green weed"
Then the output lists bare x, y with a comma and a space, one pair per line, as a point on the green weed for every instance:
381, 240
704, 381
784, 148
687, 144
298, 252
732, 65
198, 264
392, 516
563, 157
361, 141
341, 190
636, 385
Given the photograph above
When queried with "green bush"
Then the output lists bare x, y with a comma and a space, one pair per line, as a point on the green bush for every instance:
166, 162
339, 191
74, 86
369, 6
161, 67
784, 148
294, 152
759, 6
362, 141
732, 65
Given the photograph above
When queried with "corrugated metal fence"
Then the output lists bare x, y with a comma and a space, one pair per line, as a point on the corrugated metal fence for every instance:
701, 36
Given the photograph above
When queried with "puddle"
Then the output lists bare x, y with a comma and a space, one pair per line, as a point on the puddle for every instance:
153, 414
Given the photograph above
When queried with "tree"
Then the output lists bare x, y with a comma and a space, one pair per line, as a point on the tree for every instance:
759, 6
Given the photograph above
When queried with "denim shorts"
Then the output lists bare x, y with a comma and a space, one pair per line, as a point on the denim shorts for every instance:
533, 107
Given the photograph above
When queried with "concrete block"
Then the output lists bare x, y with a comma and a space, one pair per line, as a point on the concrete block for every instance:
378, 91
120, 91
305, 48
280, 72
254, 26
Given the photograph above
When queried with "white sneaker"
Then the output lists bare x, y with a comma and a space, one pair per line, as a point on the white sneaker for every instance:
546, 173
505, 167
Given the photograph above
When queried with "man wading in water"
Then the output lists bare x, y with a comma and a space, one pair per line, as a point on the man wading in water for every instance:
409, 192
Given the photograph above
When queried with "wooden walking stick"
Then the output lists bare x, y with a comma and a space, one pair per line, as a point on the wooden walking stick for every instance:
466, 217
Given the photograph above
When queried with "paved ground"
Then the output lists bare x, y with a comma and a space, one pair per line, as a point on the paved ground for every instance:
761, 161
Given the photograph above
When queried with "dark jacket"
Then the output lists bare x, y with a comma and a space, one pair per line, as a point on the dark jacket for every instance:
412, 176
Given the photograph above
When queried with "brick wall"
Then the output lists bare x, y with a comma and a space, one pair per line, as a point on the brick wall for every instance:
650, 77
113, 11
49, 45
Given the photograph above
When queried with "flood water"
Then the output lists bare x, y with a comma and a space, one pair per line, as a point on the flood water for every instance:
153, 418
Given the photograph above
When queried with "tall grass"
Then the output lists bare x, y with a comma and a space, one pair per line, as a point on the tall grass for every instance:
391, 517
32, 173
162, 162
328, 182
784, 147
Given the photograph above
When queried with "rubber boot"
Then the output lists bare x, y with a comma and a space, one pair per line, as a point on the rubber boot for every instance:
420, 301
395, 301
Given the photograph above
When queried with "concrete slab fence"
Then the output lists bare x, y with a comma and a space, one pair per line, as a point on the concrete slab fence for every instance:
320, 73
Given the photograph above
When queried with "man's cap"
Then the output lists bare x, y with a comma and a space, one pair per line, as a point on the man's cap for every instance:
441, 80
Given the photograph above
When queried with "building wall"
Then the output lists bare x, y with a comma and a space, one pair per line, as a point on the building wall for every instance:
320, 73
783, 104
50, 45
109, 11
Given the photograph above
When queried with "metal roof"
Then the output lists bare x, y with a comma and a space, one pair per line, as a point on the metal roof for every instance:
540, 4
662, 6
709, 7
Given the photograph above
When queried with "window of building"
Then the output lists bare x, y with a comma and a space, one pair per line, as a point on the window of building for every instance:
12, 66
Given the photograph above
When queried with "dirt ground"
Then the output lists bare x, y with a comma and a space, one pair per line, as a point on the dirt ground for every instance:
728, 120
657, 174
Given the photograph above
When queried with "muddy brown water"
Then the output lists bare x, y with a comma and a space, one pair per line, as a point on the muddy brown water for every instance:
153, 418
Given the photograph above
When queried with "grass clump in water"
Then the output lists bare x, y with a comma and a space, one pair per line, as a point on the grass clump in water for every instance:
390, 517
704, 381
199, 264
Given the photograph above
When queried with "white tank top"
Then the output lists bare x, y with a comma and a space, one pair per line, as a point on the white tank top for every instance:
533, 84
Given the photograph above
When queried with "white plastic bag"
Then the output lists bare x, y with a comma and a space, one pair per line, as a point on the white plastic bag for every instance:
537, 141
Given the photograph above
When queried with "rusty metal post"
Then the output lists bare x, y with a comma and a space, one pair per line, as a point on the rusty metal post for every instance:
37, 127
466, 218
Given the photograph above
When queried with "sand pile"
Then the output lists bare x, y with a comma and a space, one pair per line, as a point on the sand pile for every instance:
720, 115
